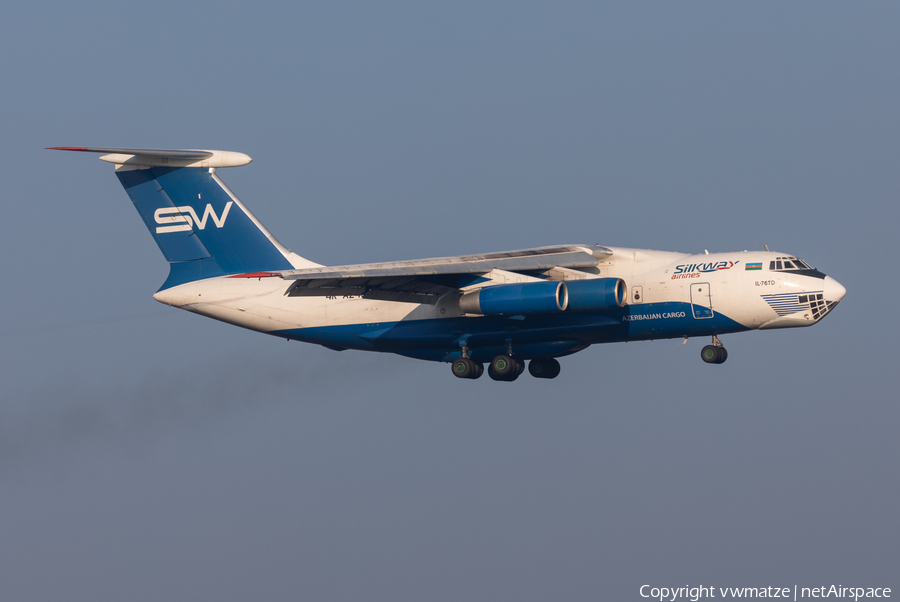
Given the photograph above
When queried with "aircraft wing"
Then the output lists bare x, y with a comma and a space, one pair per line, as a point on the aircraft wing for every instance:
423, 280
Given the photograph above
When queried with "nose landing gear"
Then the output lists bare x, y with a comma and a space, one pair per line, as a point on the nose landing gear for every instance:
715, 353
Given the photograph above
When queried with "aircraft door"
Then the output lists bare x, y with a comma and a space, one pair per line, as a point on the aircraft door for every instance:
701, 303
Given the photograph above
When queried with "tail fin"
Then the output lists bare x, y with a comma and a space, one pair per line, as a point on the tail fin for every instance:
201, 227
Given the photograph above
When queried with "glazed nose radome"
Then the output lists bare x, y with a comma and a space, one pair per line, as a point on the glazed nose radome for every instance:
834, 291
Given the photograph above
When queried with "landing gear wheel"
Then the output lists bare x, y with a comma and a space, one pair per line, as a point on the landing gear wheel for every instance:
543, 368
505, 368
479, 370
711, 354
556, 368
723, 355
503, 365
507, 378
463, 368
492, 374
537, 368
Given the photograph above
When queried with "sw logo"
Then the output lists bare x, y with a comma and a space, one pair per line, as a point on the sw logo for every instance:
182, 219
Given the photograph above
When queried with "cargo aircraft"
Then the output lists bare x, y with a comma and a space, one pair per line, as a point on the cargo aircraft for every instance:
500, 309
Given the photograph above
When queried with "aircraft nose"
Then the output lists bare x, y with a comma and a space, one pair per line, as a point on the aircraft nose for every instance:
833, 291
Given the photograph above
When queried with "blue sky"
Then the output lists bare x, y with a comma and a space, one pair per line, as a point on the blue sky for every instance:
149, 454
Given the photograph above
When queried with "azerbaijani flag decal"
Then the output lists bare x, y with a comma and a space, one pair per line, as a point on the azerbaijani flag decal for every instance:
752, 266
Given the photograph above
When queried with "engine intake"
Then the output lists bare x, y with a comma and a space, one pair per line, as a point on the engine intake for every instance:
524, 298
596, 294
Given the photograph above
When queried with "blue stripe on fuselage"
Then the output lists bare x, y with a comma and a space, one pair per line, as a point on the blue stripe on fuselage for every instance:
544, 334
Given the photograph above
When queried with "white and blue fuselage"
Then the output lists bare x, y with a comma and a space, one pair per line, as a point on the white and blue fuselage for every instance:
670, 295
500, 308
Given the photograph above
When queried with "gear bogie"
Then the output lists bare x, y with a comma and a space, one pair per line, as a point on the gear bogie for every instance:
714, 354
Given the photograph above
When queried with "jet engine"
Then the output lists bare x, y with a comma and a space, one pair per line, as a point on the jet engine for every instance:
524, 298
596, 294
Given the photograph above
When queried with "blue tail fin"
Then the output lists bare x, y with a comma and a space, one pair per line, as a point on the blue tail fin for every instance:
195, 219
200, 226
202, 229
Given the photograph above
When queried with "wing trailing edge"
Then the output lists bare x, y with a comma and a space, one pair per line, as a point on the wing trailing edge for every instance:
542, 258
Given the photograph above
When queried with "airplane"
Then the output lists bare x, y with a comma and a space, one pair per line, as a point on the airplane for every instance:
500, 309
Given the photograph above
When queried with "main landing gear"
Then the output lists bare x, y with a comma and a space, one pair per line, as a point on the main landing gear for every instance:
715, 353
545, 367
466, 368
505, 368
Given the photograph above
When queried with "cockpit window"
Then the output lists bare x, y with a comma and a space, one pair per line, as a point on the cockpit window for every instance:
788, 263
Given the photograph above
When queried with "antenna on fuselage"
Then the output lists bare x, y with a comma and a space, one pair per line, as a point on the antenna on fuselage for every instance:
767, 248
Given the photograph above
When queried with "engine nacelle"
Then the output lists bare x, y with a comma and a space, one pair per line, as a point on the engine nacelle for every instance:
524, 298
596, 294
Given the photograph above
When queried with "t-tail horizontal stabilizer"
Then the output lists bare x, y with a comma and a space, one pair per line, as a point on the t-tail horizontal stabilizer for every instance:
125, 158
